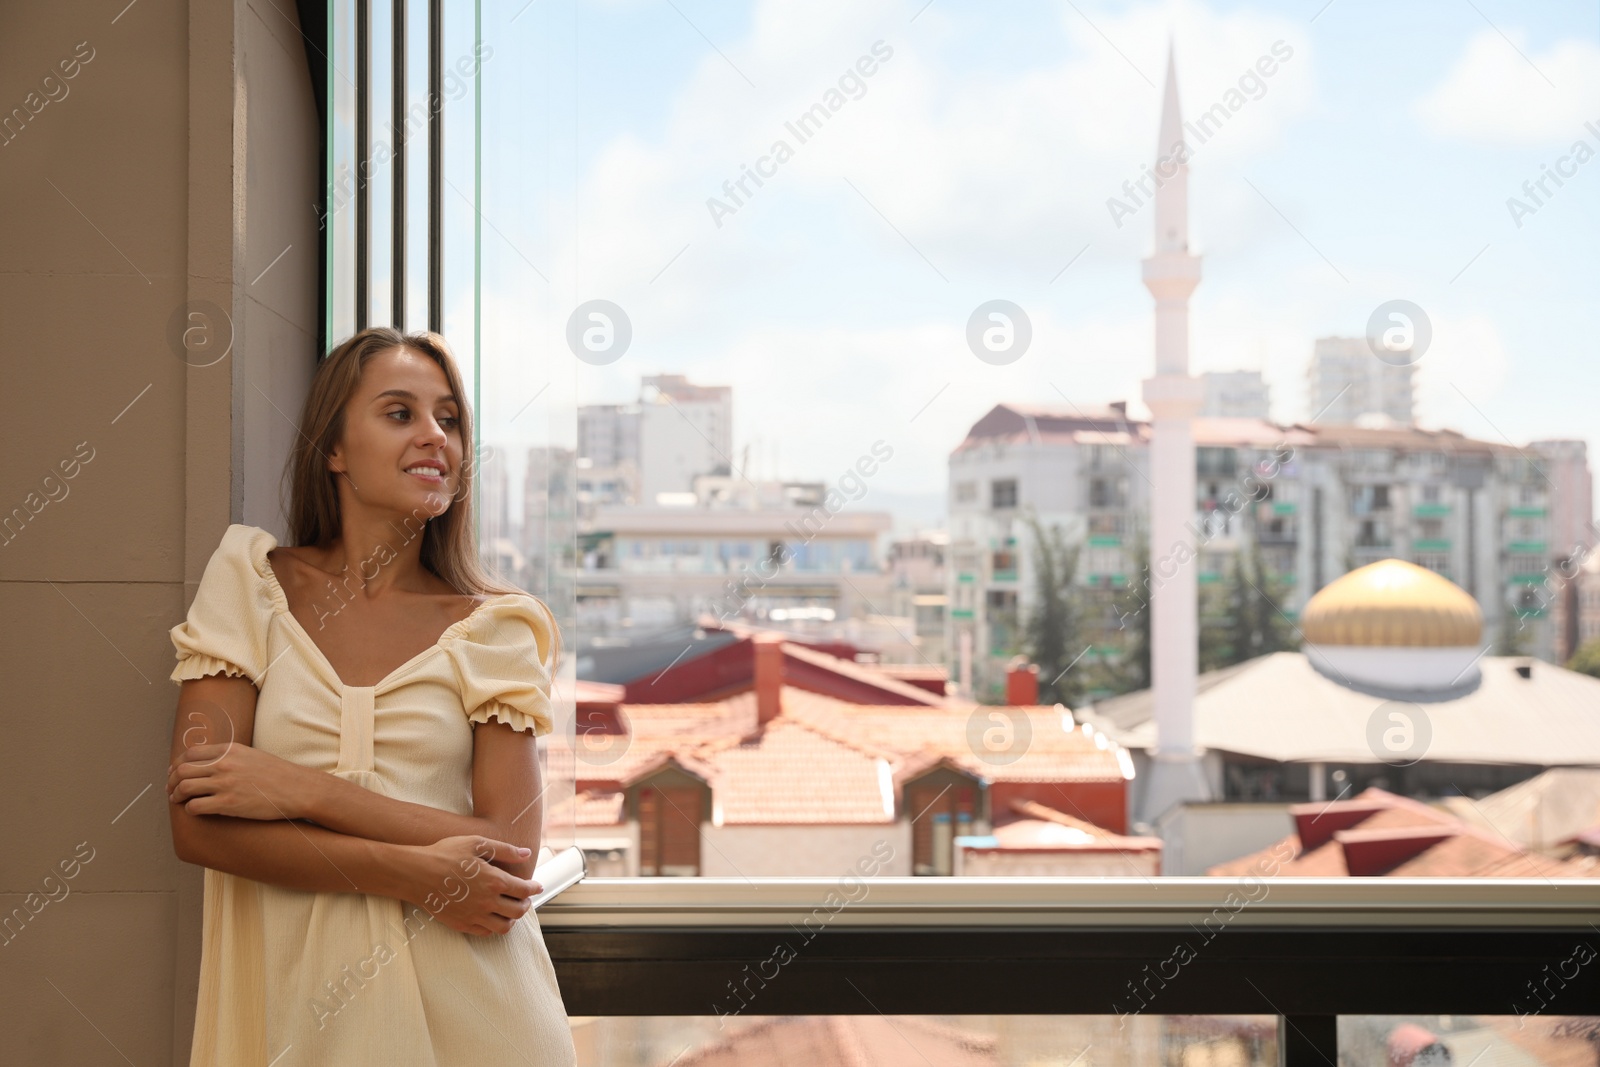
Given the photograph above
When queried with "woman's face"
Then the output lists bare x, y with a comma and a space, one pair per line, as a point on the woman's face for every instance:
400, 421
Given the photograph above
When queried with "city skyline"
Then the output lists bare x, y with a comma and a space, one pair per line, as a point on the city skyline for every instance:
854, 277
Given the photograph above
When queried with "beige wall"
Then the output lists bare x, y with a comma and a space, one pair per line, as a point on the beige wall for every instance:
180, 161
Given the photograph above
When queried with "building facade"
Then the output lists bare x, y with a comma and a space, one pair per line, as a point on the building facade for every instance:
1348, 384
654, 566
917, 591
1317, 501
676, 431
1235, 394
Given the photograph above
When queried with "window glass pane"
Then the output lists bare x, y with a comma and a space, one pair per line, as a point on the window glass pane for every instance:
385, 140
731, 292
339, 219
1530, 1038
505, 229
733, 1038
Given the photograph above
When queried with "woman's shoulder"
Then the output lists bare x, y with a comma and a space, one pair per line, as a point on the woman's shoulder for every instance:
242, 552
516, 621
491, 609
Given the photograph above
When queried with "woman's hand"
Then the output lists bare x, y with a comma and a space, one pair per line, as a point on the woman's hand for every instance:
228, 778
462, 885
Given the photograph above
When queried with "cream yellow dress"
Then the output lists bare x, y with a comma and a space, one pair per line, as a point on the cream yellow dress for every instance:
299, 979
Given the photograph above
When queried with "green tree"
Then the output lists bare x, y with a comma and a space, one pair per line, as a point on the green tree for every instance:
1586, 660
1255, 624
1051, 634
1214, 623
1127, 613
1514, 633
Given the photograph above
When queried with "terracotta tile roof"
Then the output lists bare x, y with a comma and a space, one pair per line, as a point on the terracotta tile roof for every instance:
1037, 827
586, 692
1381, 834
588, 807
788, 774
847, 1040
1055, 751
866, 675
822, 760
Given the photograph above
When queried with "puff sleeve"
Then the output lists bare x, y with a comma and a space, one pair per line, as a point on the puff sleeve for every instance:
226, 629
505, 661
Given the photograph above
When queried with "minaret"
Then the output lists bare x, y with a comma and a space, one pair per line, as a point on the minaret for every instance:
1174, 398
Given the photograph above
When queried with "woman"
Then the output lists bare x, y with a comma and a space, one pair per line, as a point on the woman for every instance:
354, 758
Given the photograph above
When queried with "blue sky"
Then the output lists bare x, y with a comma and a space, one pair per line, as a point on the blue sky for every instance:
1375, 164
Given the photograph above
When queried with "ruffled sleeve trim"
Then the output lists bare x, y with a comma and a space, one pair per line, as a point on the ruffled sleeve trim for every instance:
504, 658
226, 626
520, 721
200, 665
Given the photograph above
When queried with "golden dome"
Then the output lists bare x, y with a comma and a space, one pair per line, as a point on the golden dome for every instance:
1392, 603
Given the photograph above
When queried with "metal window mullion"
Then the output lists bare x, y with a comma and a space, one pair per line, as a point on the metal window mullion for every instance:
1308, 1040
397, 272
363, 156
436, 165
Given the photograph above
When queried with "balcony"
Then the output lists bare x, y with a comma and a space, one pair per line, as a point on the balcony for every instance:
1303, 950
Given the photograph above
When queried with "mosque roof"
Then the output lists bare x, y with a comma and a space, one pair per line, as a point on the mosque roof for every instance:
1392, 603
1280, 707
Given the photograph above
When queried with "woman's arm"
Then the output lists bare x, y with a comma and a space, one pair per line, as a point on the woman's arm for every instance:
506, 787
350, 808
217, 772
507, 800
220, 710
447, 876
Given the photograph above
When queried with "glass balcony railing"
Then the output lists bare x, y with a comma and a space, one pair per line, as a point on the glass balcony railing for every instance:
1295, 970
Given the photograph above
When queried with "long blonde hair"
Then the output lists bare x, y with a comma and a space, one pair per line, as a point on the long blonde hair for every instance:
449, 541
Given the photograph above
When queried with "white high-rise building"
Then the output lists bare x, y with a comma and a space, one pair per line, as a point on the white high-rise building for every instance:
1350, 385
675, 432
1235, 394
684, 430
608, 434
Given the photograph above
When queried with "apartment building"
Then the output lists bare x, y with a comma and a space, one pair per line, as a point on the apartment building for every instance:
1235, 394
675, 431
1318, 501
1348, 385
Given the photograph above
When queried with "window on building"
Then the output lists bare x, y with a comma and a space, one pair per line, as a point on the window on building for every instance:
943, 806
966, 492
1105, 525
1103, 493
857, 555
669, 830
1437, 562
1003, 493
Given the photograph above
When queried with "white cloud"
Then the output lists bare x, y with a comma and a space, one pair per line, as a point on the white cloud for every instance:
1494, 95
992, 169
1460, 375
979, 165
